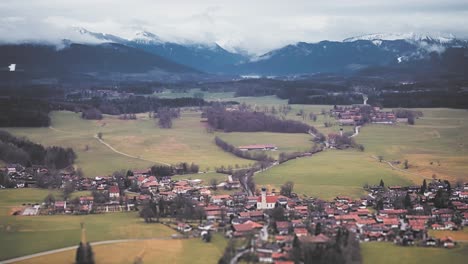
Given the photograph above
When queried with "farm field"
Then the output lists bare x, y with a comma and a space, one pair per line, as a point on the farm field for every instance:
387, 253
460, 235
187, 141
330, 173
58, 231
440, 137
154, 251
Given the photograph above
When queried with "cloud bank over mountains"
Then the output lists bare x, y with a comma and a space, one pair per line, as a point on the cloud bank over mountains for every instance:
254, 26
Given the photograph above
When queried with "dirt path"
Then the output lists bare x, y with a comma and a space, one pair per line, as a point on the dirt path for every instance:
398, 169
74, 247
127, 155
58, 130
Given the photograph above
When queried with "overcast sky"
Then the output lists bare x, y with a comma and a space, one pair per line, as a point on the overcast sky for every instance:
254, 25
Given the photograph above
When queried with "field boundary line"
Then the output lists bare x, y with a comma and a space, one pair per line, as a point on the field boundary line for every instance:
125, 154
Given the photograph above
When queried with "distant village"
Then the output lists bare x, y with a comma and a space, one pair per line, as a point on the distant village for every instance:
271, 219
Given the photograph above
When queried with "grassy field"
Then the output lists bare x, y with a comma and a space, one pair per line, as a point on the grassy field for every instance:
154, 251
386, 253
439, 137
22, 235
330, 173
187, 141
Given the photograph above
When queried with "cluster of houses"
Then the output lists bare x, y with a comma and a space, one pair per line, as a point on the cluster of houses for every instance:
375, 217
356, 115
101, 93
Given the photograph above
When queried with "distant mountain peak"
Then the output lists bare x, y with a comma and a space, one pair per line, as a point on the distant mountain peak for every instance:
147, 38
409, 36
100, 37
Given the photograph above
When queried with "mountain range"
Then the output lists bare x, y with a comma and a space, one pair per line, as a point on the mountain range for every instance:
146, 52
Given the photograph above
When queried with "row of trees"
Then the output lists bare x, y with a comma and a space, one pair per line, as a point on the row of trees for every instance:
256, 155
26, 153
140, 104
247, 121
180, 168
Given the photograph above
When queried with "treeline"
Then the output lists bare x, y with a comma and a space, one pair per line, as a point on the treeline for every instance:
342, 249
180, 168
283, 156
140, 104
327, 99
256, 155
423, 99
247, 121
26, 153
23, 112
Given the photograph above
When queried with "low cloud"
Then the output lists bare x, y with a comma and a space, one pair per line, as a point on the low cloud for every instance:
255, 26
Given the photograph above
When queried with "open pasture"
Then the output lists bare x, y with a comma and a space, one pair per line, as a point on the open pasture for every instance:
387, 253
330, 173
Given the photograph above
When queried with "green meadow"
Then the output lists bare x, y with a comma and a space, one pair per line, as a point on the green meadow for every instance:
387, 253
142, 139
23, 235
436, 145
330, 173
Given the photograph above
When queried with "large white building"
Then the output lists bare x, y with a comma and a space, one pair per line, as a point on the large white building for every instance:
266, 202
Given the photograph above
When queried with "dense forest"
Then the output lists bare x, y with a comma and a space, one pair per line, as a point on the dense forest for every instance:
25, 152
247, 121
20, 112
140, 104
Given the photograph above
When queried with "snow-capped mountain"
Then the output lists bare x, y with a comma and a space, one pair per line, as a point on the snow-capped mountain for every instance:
411, 36
102, 37
352, 54
205, 57
145, 37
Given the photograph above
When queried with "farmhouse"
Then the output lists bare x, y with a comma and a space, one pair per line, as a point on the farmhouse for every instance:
258, 147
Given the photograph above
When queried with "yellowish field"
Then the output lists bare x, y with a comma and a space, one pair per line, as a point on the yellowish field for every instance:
153, 251
461, 235
387, 253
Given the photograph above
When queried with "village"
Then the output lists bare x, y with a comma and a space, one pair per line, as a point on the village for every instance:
269, 222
